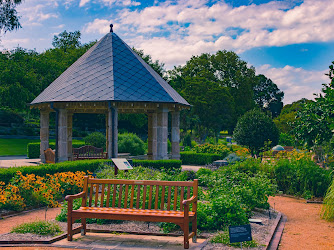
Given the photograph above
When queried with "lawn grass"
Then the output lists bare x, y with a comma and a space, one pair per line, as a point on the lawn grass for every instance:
10, 147
14, 146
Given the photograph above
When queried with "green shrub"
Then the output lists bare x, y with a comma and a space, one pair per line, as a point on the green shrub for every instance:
130, 143
38, 227
187, 140
168, 165
224, 237
190, 157
6, 174
33, 149
96, 139
221, 150
286, 140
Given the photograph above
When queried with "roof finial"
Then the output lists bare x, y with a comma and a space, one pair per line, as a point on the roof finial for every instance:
111, 25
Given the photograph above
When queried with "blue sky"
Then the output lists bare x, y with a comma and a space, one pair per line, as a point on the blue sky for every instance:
289, 41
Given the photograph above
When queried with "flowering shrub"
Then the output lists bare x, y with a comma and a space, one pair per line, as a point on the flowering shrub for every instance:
31, 190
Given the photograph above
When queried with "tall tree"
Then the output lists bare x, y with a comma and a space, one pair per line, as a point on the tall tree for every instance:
212, 106
315, 123
267, 95
9, 19
254, 129
66, 40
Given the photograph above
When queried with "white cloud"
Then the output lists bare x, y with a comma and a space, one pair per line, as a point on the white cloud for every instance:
296, 83
112, 2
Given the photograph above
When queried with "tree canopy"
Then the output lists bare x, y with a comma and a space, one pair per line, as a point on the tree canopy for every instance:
9, 20
267, 95
315, 121
254, 129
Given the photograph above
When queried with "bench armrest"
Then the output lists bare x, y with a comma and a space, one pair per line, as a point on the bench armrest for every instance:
74, 196
189, 201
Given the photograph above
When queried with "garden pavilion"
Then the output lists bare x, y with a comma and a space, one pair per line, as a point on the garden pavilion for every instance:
110, 78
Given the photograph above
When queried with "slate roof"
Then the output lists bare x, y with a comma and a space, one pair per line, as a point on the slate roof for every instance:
110, 71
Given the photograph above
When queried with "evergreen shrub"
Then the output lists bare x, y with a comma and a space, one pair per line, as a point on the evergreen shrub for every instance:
190, 157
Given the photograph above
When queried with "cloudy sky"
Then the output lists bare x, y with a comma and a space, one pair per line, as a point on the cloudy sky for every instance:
289, 41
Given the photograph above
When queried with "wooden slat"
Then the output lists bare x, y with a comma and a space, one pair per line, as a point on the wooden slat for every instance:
181, 198
150, 198
144, 198
142, 182
188, 192
126, 196
108, 196
120, 196
156, 197
175, 198
138, 196
114, 195
96, 194
102, 195
91, 194
169, 197
162, 198
132, 195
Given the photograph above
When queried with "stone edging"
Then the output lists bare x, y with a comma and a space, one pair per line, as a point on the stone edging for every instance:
276, 232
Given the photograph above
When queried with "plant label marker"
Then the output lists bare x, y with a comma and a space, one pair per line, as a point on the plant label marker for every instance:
240, 233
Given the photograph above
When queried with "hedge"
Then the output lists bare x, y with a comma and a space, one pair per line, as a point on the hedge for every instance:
33, 149
174, 165
189, 157
6, 174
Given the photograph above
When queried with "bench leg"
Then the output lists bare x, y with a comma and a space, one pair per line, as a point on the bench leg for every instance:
83, 223
194, 230
186, 236
69, 229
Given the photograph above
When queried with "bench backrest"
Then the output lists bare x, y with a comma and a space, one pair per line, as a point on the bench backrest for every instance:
88, 151
50, 155
139, 194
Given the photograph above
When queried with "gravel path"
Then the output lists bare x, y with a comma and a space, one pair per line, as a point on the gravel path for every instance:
304, 228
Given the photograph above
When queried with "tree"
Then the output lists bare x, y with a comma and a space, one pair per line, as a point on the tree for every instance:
212, 106
228, 72
8, 15
254, 129
66, 40
267, 95
315, 121
287, 117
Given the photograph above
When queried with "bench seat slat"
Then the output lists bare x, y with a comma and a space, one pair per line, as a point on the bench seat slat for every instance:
108, 196
154, 212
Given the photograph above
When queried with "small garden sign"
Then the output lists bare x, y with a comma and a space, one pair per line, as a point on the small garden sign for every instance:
240, 233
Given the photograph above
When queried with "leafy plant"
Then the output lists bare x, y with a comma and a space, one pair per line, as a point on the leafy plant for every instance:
38, 227
96, 139
327, 211
224, 237
131, 143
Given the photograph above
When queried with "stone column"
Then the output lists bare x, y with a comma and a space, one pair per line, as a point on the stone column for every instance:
162, 134
62, 135
112, 133
44, 133
175, 138
69, 136
152, 136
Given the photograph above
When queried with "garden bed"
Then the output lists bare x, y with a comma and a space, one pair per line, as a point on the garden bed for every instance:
259, 232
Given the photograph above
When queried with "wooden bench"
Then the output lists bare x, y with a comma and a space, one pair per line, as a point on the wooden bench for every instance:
88, 152
137, 200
